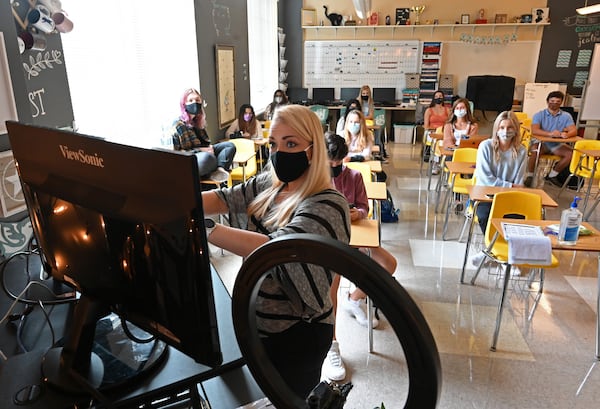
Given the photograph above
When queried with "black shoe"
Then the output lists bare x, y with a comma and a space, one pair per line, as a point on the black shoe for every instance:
554, 180
528, 181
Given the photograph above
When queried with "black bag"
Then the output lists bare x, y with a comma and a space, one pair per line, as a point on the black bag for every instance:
573, 182
389, 214
328, 395
381, 176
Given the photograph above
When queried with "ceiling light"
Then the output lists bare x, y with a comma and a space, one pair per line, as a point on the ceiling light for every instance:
589, 9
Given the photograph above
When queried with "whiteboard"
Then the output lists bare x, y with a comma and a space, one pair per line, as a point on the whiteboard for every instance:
8, 109
534, 99
590, 108
343, 63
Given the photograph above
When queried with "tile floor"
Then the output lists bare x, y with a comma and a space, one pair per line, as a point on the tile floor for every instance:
546, 362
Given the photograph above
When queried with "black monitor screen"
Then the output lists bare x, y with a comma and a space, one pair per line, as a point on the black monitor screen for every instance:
297, 95
322, 95
124, 225
384, 94
346, 94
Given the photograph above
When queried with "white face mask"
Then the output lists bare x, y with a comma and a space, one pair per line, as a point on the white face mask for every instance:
460, 112
278, 100
506, 134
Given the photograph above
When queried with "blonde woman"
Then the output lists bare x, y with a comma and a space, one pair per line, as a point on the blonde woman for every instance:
358, 137
365, 96
294, 312
501, 160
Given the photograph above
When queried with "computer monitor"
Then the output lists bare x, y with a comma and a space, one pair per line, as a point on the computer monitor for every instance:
322, 95
384, 95
125, 227
297, 95
346, 94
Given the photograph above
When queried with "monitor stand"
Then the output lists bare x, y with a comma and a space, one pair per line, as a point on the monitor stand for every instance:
98, 354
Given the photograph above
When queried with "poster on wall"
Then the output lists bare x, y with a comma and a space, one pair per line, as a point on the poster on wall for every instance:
225, 84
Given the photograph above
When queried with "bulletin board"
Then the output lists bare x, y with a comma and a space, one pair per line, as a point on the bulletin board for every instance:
351, 64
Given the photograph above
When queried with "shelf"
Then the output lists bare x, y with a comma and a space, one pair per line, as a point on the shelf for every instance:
431, 27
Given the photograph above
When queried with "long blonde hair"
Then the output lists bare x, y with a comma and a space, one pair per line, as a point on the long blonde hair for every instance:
365, 137
306, 125
515, 143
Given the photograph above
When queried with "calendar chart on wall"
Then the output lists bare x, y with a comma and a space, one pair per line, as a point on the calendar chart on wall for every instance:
379, 64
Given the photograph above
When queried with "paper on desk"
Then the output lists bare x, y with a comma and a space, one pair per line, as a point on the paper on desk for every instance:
527, 244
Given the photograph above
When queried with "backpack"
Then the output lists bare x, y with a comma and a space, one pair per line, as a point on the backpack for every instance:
389, 214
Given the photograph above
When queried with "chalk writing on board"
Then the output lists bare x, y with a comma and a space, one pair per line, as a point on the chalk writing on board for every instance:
41, 62
586, 27
221, 19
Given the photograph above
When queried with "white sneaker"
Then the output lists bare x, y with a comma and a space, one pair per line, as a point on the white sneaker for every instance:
220, 175
333, 366
477, 259
353, 307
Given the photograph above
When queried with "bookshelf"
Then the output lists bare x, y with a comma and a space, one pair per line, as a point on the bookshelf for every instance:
431, 59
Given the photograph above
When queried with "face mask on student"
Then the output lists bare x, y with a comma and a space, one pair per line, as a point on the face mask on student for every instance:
193, 108
364, 97
278, 99
506, 134
247, 117
336, 170
289, 166
438, 100
354, 128
460, 112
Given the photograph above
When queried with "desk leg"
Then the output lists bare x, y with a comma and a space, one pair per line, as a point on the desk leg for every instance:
468, 245
589, 188
500, 308
370, 316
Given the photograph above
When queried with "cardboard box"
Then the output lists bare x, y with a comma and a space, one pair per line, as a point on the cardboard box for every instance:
403, 133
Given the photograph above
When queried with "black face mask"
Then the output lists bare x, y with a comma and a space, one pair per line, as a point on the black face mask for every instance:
364, 97
438, 100
336, 170
194, 108
289, 166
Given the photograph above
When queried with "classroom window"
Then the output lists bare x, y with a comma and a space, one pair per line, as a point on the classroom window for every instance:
263, 51
128, 64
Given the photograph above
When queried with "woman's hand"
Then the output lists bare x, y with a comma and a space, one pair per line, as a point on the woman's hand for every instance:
355, 214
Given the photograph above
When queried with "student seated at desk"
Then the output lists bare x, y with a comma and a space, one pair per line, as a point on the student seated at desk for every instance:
358, 137
460, 124
279, 100
188, 133
351, 105
556, 123
350, 183
246, 125
501, 161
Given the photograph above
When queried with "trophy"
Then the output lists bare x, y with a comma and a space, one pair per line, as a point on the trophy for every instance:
418, 10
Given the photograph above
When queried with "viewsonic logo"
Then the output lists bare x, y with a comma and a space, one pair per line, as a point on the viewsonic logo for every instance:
81, 156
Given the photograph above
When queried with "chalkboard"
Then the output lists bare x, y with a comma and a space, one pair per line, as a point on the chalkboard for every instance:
535, 96
379, 64
590, 108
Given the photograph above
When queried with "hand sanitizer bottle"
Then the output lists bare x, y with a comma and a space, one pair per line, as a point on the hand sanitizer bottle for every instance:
570, 221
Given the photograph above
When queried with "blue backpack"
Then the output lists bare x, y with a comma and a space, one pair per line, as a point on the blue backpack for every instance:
389, 214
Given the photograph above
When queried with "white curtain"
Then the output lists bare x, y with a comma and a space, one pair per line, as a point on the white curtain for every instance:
263, 51
128, 63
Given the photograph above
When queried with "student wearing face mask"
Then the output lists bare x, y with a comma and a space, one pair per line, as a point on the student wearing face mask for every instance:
189, 134
501, 160
246, 125
350, 183
351, 105
358, 137
294, 312
435, 116
460, 124
279, 100
368, 109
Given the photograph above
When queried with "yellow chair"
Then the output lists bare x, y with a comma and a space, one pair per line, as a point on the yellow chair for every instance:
457, 184
245, 158
583, 166
527, 206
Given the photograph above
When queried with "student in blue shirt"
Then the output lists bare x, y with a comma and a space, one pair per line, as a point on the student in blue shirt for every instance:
555, 123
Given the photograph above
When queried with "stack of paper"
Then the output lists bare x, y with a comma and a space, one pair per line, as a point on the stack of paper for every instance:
527, 244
